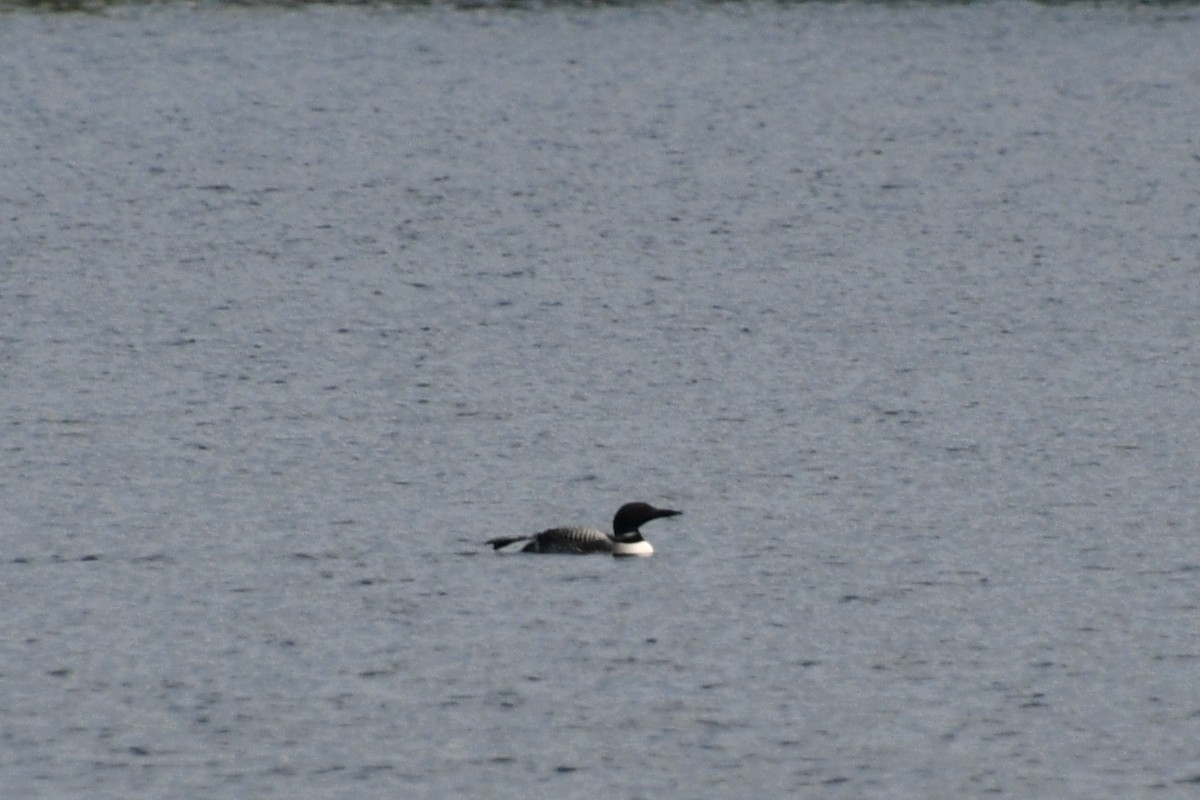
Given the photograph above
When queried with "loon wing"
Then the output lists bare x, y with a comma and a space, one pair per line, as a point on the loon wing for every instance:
570, 540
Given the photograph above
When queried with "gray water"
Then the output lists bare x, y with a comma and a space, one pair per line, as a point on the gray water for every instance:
897, 303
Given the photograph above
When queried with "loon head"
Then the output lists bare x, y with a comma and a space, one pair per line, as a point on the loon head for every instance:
632, 516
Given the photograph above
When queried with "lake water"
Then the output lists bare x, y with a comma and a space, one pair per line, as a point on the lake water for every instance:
897, 302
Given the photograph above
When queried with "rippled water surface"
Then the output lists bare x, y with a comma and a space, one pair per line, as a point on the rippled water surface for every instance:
898, 304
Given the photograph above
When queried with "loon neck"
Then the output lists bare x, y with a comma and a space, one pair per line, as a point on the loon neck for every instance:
636, 547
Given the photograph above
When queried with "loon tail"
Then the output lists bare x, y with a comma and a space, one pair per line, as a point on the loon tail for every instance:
505, 541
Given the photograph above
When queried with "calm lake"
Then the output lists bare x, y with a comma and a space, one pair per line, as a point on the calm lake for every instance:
898, 303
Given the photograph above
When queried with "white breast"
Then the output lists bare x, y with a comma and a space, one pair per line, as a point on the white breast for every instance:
641, 548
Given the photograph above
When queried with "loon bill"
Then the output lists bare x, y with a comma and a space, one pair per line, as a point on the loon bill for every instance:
625, 540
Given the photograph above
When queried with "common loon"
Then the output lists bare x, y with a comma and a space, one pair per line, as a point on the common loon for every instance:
625, 540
